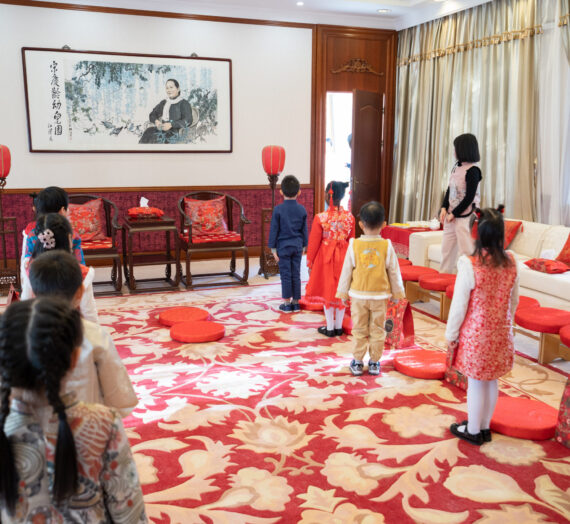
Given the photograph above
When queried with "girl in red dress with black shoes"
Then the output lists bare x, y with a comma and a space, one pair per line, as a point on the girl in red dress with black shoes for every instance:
480, 323
328, 243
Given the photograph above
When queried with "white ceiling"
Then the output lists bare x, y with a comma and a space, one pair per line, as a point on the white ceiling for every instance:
360, 13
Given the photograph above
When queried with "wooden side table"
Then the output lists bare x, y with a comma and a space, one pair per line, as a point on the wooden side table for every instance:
268, 266
164, 225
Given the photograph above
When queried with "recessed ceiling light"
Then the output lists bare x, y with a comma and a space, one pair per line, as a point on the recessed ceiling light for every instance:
300, 4
383, 11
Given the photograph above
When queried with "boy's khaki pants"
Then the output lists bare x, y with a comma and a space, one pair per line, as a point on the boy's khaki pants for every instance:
368, 317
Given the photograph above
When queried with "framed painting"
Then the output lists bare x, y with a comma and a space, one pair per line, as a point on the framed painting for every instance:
101, 102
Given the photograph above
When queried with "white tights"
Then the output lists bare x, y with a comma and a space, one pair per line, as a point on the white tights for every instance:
481, 400
334, 317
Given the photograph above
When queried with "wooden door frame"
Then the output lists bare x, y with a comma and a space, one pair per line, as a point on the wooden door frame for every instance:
319, 115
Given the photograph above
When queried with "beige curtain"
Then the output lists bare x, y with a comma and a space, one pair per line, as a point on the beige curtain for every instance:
472, 72
564, 24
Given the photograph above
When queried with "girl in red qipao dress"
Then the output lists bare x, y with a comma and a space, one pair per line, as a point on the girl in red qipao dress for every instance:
328, 243
480, 323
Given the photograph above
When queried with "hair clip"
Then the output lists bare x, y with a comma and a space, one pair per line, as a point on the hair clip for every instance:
478, 212
501, 209
47, 238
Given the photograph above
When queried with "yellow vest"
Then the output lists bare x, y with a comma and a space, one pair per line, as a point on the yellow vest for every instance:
369, 274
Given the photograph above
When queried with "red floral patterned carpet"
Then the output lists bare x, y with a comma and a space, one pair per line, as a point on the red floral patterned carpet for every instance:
267, 425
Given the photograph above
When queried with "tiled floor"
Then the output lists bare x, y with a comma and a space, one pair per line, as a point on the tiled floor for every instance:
524, 344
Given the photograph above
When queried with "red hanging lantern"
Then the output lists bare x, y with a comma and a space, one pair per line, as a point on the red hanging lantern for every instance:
273, 159
5, 161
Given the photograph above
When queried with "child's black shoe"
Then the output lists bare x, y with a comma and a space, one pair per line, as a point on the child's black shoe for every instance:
338, 332
326, 332
476, 439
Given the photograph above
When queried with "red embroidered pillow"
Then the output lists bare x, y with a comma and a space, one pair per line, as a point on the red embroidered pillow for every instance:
207, 215
547, 266
564, 255
86, 219
511, 229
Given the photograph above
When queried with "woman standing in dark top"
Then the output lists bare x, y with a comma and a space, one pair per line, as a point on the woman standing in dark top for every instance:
168, 117
461, 198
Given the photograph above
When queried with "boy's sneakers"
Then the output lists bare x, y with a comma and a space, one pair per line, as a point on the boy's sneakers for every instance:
373, 368
286, 307
295, 307
357, 368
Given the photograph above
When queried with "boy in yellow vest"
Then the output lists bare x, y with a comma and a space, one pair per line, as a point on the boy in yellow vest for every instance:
370, 276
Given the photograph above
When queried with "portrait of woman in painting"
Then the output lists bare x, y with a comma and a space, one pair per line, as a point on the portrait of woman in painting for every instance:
168, 117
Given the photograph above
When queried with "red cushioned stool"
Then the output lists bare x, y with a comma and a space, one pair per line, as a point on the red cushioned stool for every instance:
199, 331
565, 335
436, 285
310, 304
175, 315
524, 418
447, 297
547, 321
410, 276
525, 302
404, 262
421, 363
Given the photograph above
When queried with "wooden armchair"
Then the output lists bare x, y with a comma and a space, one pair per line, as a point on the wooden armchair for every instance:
104, 249
232, 240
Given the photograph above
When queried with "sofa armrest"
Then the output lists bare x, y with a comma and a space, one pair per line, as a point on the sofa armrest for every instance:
419, 244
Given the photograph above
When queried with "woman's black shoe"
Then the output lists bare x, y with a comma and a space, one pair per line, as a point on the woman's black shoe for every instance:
326, 332
476, 439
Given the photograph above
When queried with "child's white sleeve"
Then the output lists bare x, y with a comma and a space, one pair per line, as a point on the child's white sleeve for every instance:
114, 381
462, 293
27, 292
394, 275
87, 306
345, 278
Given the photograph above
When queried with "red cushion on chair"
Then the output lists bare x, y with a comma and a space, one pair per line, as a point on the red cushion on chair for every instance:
175, 315
311, 304
86, 219
347, 325
421, 363
525, 302
524, 418
565, 335
207, 215
230, 236
542, 319
437, 282
415, 272
404, 262
199, 331
449, 290
105, 243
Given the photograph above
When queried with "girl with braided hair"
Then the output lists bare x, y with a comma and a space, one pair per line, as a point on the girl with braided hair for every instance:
480, 323
328, 243
76, 465
53, 232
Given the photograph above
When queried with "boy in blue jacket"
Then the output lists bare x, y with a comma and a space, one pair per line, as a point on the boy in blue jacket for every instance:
288, 240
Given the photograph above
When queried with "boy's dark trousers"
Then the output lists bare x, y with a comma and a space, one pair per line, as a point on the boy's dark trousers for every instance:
290, 270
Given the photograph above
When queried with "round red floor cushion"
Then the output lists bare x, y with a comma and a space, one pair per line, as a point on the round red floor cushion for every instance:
542, 319
404, 262
421, 363
565, 335
525, 302
449, 290
524, 418
347, 324
415, 272
199, 331
311, 304
438, 282
175, 315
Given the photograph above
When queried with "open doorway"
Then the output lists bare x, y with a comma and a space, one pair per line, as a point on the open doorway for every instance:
338, 135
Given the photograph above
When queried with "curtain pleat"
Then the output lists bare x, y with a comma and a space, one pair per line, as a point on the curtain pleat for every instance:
472, 72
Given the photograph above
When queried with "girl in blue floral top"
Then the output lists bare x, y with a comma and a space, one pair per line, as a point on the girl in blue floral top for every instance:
75, 466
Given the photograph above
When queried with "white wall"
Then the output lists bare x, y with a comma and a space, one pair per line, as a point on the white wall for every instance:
271, 97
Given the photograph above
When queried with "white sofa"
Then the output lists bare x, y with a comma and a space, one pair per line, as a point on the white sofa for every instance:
530, 241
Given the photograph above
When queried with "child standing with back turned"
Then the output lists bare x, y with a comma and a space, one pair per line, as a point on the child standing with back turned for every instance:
370, 276
288, 240
480, 323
